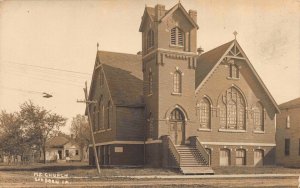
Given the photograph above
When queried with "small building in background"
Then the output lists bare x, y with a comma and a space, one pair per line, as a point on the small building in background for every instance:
288, 134
62, 148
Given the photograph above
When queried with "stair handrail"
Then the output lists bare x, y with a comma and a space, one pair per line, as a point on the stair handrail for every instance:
202, 150
174, 151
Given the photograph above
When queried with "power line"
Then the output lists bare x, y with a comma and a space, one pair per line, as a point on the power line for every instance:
42, 76
21, 90
49, 68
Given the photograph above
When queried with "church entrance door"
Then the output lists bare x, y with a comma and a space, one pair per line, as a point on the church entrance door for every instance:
177, 127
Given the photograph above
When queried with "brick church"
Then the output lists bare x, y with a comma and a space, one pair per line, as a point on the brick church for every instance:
173, 106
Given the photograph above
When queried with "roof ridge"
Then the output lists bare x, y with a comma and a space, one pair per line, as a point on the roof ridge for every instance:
99, 51
217, 47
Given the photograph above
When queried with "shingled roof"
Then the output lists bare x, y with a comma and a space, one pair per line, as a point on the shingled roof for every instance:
124, 76
290, 104
208, 60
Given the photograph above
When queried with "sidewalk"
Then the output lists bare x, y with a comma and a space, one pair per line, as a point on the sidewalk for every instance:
211, 176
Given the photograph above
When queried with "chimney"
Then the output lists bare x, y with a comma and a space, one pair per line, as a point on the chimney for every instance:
159, 11
193, 15
200, 50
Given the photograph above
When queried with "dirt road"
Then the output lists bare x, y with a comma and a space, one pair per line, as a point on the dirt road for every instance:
213, 183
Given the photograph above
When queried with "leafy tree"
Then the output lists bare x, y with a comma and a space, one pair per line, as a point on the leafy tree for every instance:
81, 130
11, 135
39, 125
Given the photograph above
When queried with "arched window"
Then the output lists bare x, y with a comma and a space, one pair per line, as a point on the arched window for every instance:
204, 113
108, 114
100, 118
234, 71
101, 77
150, 82
177, 37
258, 157
258, 117
94, 116
209, 151
177, 82
224, 157
150, 39
288, 122
176, 115
232, 110
150, 128
240, 157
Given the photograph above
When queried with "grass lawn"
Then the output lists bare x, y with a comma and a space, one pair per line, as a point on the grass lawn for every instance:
84, 170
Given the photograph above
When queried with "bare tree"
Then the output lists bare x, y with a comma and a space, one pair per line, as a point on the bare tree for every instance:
80, 129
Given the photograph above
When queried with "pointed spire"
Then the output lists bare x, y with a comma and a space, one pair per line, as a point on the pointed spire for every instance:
97, 46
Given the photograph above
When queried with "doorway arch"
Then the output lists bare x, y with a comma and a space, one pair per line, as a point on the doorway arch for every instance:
177, 126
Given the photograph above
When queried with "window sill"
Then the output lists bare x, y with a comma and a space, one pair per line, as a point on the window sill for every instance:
103, 130
204, 129
150, 94
173, 93
176, 46
231, 78
232, 130
259, 132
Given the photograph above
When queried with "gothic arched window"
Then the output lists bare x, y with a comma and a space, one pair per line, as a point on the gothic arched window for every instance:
100, 118
234, 71
177, 82
150, 39
177, 37
109, 107
204, 113
258, 117
176, 115
232, 110
150, 128
150, 82
94, 117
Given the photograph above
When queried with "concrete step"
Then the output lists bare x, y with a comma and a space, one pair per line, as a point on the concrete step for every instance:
196, 170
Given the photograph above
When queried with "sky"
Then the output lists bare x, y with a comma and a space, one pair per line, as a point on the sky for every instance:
50, 46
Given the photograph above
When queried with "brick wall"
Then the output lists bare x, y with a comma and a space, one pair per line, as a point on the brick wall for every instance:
291, 133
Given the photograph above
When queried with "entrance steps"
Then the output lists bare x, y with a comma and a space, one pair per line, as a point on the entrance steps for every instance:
192, 161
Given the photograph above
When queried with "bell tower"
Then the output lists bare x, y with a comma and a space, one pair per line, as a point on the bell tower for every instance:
169, 55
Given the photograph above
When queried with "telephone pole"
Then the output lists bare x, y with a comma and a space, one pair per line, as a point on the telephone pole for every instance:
90, 125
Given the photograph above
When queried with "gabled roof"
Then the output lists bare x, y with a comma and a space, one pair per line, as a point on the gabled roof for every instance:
210, 60
124, 77
57, 141
148, 12
290, 104
180, 7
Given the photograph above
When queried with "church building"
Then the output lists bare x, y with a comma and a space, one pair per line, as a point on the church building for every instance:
173, 106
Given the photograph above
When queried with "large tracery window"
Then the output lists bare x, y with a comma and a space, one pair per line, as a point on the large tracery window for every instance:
258, 117
177, 37
232, 110
204, 113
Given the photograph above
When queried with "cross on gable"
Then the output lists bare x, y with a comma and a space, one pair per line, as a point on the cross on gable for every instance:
235, 34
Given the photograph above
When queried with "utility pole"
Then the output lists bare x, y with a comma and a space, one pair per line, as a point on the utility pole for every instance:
90, 124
